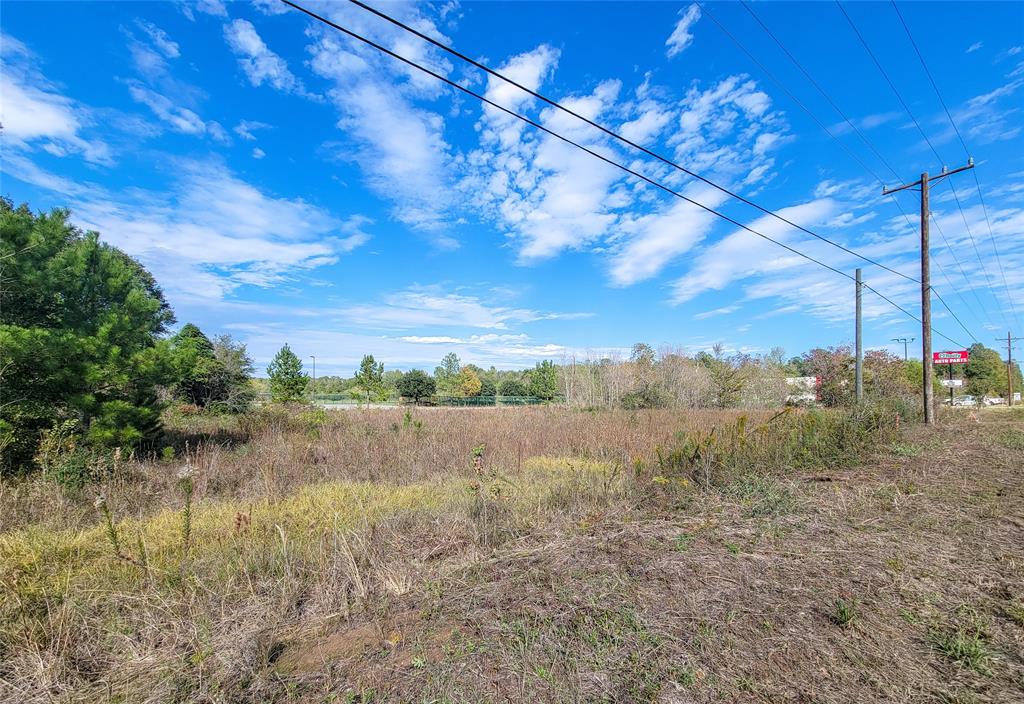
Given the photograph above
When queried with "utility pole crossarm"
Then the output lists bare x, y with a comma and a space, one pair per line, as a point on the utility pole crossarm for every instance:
915, 184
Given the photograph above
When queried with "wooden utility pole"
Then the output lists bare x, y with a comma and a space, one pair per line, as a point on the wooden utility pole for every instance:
1010, 339
859, 374
922, 184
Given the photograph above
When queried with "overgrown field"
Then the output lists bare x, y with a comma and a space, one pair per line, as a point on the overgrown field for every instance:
522, 554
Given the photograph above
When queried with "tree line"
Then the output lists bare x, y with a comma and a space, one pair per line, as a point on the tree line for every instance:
287, 381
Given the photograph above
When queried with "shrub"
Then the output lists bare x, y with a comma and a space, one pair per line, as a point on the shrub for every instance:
513, 387
416, 384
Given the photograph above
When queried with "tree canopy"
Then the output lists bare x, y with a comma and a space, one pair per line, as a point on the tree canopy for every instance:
544, 380
417, 385
80, 337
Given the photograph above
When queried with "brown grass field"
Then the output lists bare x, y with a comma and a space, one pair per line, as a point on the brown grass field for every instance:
528, 555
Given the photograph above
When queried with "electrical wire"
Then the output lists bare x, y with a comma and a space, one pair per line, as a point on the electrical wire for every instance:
607, 160
611, 133
928, 141
967, 152
854, 156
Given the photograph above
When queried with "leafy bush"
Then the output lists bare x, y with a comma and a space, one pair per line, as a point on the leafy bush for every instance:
513, 387
416, 384
790, 439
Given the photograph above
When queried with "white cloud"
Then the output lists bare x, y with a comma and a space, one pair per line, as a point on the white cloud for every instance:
270, 7
974, 47
728, 131
34, 113
161, 41
341, 351
207, 7
257, 60
245, 129
742, 254
258, 153
529, 69
658, 237
681, 36
548, 195
398, 143
211, 231
652, 120
724, 310
985, 120
424, 306
180, 119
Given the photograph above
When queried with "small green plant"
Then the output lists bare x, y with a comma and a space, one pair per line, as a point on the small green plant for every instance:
167, 454
964, 645
1012, 438
418, 663
686, 677
733, 548
186, 483
906, 450
844, 611
1016, 613
683, 542
108, 523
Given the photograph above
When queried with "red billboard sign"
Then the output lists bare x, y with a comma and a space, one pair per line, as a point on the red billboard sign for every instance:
955, 357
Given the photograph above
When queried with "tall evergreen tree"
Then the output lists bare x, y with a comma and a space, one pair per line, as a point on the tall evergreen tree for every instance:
287, 381
447, 374
370, 378
198, 375
80, 329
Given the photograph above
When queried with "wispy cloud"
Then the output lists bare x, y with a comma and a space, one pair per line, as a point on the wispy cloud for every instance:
177, 117
724, 310
682, 36
34, 113
260, 64
211, 232
245, 129
424, 306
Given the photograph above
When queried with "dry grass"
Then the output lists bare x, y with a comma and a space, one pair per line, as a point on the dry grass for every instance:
568, 565
275, 453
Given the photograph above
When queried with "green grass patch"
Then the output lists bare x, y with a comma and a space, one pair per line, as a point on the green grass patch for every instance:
906, 449
964, 645
1011, 438
844, 612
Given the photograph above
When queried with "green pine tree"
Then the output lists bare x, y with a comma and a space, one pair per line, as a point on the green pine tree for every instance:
80, 337
287, 382
370, 378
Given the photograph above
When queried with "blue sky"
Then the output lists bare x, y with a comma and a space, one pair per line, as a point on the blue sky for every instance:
285, 184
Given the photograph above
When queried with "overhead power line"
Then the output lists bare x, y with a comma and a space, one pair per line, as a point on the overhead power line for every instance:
906, 108
977, 182
596, 155
853, 155
611, 133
